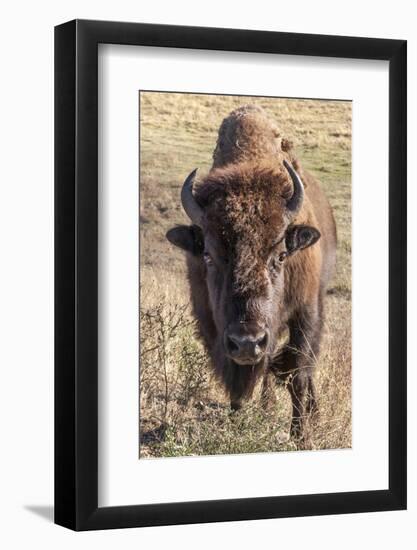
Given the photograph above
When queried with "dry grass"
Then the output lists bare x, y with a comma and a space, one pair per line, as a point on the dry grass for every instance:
182, 409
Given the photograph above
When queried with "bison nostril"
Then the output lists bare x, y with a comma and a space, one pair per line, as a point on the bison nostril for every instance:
262, 341
232, 344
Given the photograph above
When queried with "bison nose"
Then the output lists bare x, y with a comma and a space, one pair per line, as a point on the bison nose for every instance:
246, 347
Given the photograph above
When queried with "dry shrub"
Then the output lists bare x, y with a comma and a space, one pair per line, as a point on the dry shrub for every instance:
173, 365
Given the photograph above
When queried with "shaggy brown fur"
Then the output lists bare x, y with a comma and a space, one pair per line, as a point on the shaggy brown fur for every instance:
252, 264
245, 202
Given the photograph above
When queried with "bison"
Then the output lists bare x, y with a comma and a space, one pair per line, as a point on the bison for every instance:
261, 250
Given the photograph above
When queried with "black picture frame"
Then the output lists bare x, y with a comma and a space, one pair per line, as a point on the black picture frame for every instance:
76, 272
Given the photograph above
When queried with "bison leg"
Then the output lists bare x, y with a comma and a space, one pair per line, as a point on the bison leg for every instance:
312, 407
298, 364
268, 396
235, 404
297, 387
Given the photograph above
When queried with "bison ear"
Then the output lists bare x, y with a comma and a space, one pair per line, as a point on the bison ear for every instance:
301, 236
189, 238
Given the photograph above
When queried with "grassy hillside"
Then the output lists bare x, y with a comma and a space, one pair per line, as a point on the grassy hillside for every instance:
182, 409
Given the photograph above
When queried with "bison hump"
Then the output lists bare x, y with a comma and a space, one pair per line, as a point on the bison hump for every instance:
247, 134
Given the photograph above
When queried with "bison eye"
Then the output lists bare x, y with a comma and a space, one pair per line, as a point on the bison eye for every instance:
207, 258
282, 257
277, 261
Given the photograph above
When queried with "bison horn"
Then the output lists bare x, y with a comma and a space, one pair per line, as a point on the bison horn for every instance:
192, 209
295, 202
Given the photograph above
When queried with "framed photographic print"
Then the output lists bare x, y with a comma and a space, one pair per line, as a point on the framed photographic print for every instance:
230, 338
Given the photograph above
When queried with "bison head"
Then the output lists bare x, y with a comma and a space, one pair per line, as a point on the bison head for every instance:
244, 232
